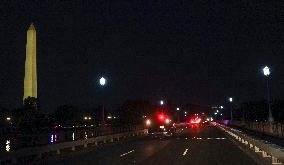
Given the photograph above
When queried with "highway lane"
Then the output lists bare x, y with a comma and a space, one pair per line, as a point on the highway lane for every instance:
200, 146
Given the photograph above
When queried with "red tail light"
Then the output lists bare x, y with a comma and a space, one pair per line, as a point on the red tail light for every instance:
161, 117
195, 121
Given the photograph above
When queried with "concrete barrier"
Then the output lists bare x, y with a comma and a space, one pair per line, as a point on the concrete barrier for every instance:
267, 150
27, 154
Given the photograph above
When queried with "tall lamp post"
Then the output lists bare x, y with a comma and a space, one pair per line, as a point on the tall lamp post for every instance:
102, 83
178, 114
231, 100
266, 72
162, 104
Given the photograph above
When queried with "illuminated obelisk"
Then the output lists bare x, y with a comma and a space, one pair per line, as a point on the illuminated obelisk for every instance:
30, 82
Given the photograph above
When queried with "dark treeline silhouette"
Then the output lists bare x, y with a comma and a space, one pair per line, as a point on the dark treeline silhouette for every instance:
133, 111
30, 118
27, 118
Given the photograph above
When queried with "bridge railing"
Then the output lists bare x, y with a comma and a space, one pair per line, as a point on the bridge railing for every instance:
272, 129
22, 140
27, 155
267, 150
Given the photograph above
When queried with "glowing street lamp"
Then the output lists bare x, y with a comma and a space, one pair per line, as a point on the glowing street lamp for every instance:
8, 118
161, 102
177, 114
102, 81
266, 72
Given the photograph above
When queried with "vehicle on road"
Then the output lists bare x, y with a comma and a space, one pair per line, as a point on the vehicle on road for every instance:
160, 124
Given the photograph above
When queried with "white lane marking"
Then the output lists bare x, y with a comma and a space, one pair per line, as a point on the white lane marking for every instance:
222, 138
218, 138
126, 153
184, 153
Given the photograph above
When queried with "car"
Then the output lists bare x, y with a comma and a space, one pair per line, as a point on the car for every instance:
160, 124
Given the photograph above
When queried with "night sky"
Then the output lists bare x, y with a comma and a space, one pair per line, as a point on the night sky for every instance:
197, 52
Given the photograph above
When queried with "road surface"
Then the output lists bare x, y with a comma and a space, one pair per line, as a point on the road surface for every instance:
200, 146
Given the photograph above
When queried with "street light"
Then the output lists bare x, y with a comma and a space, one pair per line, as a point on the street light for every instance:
177, 114
103, 82
161, 102
231, 100
266, 72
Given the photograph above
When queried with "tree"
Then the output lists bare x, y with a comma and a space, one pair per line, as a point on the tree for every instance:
132, 111
68, 115
31, 103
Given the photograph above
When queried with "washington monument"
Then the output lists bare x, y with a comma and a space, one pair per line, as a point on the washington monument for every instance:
30, 81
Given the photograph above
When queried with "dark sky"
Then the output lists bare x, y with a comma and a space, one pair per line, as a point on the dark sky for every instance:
187, 51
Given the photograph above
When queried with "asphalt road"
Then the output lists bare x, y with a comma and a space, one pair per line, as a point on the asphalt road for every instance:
199, 146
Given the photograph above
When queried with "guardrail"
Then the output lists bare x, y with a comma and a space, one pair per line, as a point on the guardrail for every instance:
272, 129
267, 150
34, 153
19, 140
